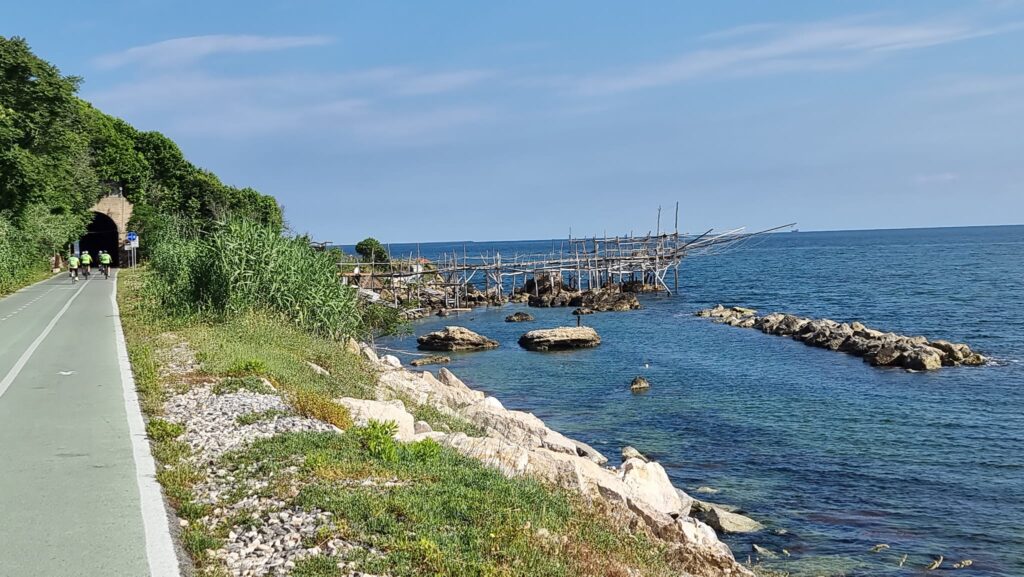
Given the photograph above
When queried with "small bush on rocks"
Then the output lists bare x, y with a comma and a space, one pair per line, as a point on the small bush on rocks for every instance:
161, 430
249, 367
378, 440
318, 406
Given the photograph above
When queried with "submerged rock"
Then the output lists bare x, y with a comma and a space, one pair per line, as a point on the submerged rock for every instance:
764, 552
455, 339
519, 317
560, 338
431, 360
722, 520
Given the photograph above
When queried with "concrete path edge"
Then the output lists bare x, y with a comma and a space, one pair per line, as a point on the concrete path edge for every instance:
160, 550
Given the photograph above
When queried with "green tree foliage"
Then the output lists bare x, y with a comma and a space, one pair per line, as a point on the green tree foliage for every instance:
44, 155
59, 155
372, 250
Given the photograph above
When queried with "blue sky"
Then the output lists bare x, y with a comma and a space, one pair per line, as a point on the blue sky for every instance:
415, 121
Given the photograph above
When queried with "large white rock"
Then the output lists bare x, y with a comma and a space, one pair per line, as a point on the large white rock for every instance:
516, 426
363, 411
649, 482
425, 388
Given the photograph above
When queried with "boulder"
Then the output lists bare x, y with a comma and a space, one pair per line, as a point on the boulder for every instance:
886, 356
363, 411
391, 361
424, 388
519, 317
422, 427
455, 339
431, 360
583, 311
922, 359
649, 482
722, 520
560, 338
639, 384
629, 452
517, 427
586, 451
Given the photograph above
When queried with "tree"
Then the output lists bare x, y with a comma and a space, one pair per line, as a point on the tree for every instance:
372, 250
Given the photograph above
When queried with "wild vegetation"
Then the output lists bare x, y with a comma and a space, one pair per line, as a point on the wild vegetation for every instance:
420, 508
59, 155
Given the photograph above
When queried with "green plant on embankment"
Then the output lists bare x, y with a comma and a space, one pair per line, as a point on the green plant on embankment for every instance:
241, 266
431, 511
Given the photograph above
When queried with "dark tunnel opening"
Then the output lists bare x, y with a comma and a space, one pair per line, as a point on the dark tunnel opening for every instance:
101, 235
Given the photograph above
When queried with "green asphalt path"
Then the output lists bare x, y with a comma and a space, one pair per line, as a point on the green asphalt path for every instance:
73, 494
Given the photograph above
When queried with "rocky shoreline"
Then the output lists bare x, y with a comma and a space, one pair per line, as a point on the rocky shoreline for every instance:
880, 349
637, 493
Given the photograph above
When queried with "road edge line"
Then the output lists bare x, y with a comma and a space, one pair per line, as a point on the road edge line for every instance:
25, 356
160, 551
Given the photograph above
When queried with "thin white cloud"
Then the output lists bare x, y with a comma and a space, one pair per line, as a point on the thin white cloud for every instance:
936, 178
182, 51
776, 48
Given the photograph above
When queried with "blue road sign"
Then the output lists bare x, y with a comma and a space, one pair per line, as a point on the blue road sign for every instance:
132, 237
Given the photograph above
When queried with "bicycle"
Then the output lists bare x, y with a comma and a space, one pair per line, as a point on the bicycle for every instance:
105, 269
73, 273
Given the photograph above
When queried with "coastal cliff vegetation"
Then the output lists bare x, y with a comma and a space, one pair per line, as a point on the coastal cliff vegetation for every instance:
59, 155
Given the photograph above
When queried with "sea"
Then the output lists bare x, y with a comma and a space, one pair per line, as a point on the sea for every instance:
834, 456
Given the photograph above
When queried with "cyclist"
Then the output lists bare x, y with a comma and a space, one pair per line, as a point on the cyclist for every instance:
86, 263
73, 262
105, 263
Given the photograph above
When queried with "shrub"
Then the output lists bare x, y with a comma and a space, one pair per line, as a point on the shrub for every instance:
378, 440
249, 367
161, 430
318, 406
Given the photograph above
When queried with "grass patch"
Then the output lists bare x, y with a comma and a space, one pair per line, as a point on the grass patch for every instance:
170, 452
253, 418
160, 430
197, 540
250, 383
449, 515
319, 566
248, 367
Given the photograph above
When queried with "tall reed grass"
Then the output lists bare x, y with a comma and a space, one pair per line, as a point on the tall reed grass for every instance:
241, 266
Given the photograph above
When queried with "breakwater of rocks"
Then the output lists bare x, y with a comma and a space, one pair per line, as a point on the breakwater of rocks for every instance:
880, 349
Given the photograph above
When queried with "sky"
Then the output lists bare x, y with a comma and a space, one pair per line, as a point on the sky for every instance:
416, 121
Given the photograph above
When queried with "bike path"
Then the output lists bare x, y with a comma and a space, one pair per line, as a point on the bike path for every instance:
71, 498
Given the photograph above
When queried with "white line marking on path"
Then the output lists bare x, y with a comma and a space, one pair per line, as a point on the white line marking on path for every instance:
159, 548
25, 356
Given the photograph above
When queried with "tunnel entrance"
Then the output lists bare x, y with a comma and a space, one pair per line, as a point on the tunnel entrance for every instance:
102, 234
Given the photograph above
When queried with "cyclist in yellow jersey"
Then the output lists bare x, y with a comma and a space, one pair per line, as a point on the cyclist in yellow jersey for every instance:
73, 263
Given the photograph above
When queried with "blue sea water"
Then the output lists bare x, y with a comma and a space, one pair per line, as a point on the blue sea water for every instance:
833, 455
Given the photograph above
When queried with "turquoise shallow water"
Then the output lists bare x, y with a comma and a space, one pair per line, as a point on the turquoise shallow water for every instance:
839, 455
